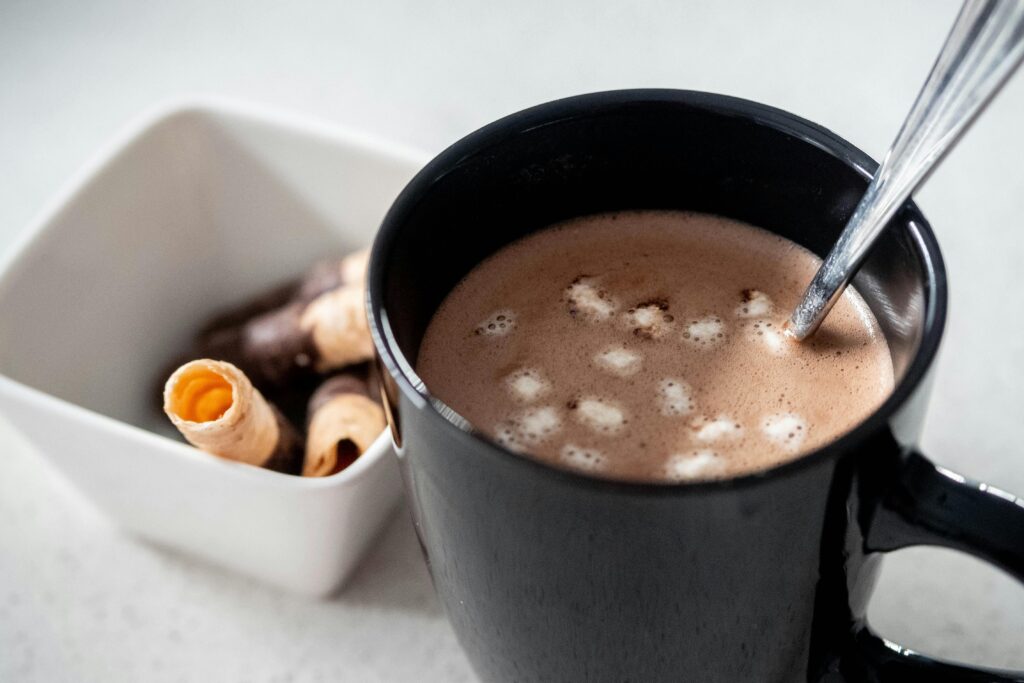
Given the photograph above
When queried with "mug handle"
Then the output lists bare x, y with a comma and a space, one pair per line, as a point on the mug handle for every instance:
930, 505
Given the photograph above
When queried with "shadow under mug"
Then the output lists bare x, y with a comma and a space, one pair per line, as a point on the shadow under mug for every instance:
548, 575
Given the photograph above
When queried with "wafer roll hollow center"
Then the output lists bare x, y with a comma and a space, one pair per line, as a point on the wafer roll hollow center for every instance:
202, 395
217, 409
343, 423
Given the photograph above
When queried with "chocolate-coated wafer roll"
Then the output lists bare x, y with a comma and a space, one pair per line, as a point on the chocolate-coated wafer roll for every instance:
344, 420
218, 410
297, 339
328, 275
322, 277
239, 315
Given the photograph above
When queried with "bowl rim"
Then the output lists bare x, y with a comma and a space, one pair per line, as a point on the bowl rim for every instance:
44, 221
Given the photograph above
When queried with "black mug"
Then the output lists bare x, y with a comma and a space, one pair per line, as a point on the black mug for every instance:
548, 575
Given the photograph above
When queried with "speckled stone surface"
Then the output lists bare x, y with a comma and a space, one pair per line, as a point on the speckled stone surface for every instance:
80, 601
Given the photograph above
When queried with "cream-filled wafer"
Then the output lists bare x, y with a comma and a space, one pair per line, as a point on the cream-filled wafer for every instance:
344, 420
326, 334
336, 323
218, 410
331, 274
239, 315
323, 277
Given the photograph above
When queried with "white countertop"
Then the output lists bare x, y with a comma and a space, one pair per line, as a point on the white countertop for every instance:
81, 601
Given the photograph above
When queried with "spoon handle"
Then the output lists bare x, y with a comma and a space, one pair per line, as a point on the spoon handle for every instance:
983, 49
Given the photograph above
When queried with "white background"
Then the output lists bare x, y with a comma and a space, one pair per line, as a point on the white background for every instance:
80, 601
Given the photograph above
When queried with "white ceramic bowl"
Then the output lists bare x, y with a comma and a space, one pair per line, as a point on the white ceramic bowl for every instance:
198, 205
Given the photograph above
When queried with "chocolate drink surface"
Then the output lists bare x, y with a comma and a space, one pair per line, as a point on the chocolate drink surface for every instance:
648, 346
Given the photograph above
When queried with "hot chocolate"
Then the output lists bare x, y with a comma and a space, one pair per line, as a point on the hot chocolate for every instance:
648, 346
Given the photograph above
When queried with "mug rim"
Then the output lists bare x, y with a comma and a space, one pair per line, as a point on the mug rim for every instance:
925, 247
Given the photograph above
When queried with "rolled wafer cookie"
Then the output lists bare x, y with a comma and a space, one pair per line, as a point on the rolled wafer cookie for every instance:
331, 274
325, 334
336, 322
218, 410
321, 277
344, 420
237, 316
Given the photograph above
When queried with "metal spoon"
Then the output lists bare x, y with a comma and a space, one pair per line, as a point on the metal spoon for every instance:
983, 49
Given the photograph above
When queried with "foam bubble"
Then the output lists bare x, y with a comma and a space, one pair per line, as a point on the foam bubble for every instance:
754, 304
538, 424
527, 385
696, 464
649, 320
498, 324
528, 428
769, 335
587, 299
579, 458
600, 414
619, 360
675, 397
787, 430
720, 428
705, 333
506, 433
